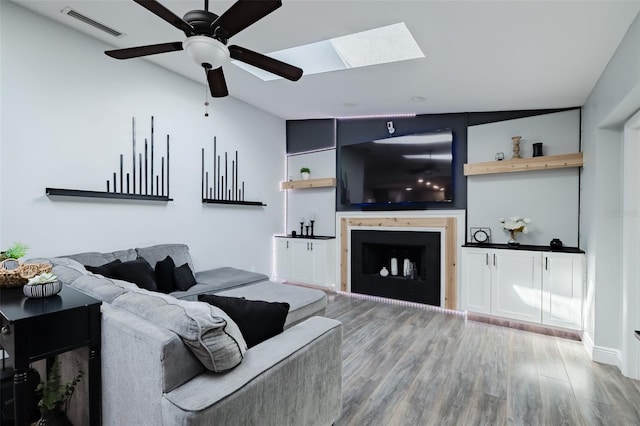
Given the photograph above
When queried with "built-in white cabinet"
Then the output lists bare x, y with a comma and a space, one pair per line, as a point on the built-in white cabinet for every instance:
533, 286
306, 261
517, 284
476, 280
562, 289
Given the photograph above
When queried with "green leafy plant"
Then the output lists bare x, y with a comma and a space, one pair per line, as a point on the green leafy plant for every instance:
305, 170
16, 251
54, 395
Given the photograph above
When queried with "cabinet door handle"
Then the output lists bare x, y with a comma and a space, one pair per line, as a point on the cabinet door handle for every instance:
494, 260
546, 263
486, 259
287, 244
311, 246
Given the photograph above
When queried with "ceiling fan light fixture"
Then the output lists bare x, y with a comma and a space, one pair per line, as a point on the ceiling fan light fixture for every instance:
206, 50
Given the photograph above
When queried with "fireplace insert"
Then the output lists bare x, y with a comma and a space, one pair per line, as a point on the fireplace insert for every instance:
402, 265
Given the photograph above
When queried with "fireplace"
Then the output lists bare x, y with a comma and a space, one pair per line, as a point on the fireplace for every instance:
416, 275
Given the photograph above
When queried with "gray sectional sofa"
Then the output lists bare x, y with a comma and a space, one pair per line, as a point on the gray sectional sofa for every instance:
152, 375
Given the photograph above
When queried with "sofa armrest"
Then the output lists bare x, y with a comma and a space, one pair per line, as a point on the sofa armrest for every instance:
292, 378
140, 361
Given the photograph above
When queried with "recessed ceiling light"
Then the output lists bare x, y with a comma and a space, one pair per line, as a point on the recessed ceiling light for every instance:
420, 180
441, 189
436, 187
418, 99
428, 183
409, 189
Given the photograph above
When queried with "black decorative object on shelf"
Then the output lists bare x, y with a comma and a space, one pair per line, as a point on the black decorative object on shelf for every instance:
225, 189
135, 187
555, 244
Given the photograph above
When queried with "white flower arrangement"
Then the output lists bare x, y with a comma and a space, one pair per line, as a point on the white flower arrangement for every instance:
516, 224
44, 278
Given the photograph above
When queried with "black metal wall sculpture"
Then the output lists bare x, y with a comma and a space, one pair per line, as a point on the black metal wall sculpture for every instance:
138, 186
226, 188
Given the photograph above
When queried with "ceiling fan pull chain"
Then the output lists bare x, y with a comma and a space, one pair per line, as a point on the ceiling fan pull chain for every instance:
206, 102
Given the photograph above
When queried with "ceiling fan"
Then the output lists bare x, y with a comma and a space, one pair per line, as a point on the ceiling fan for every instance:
207, 36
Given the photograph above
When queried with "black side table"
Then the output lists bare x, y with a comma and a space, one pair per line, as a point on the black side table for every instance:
35, 329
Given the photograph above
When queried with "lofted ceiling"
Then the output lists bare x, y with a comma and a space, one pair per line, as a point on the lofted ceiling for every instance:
479, 55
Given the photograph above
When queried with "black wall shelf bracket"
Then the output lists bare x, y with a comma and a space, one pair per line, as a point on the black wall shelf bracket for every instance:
225, 187
140, 184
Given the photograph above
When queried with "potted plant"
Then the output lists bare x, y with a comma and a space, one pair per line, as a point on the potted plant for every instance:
43, 285
54, 397
10, 256
305, 172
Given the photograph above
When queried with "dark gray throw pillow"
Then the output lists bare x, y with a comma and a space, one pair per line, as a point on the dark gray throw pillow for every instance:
258, 320
164, 275
183, 277
105, 270
138, 272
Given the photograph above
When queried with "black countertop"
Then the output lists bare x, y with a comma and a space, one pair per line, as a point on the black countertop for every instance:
525, 247
308, 237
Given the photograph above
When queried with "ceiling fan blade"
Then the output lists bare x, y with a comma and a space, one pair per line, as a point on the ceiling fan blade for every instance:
244, 13
266, 63
217, 83
162, 12
136, 52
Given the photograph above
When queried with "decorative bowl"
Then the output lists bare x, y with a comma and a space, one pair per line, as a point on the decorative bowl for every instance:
42, 290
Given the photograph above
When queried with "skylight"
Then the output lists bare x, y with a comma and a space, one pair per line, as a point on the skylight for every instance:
392, 43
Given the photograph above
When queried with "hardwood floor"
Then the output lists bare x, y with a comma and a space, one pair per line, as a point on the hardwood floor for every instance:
410, 366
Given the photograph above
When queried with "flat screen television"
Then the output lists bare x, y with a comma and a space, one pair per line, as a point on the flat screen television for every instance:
404, 172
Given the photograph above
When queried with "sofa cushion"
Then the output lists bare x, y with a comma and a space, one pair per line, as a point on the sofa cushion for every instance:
178, 252
106, 270
164, 275
228, 277
97, 259
303, 302
213, 337
100, 287
183, 277
258, 320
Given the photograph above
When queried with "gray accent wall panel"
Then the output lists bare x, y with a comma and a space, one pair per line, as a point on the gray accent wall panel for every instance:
310, 135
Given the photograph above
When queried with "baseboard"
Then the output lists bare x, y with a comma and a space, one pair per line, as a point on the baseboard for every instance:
606, 355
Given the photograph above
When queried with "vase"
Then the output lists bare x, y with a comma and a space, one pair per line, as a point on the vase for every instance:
305, 175
513, 239
516, 146
54, 418
537, 149
42, 290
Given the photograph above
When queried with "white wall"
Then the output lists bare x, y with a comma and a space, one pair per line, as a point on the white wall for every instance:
318, 201
615, 97
66, 118
549, 198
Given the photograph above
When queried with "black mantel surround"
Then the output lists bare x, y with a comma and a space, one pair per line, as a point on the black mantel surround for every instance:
373, 250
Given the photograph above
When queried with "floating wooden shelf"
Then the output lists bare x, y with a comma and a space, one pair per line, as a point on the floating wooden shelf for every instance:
239, 203
525, 164
101, 194
309, 183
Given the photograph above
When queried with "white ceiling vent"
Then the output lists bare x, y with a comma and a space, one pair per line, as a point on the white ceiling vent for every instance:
79, 16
